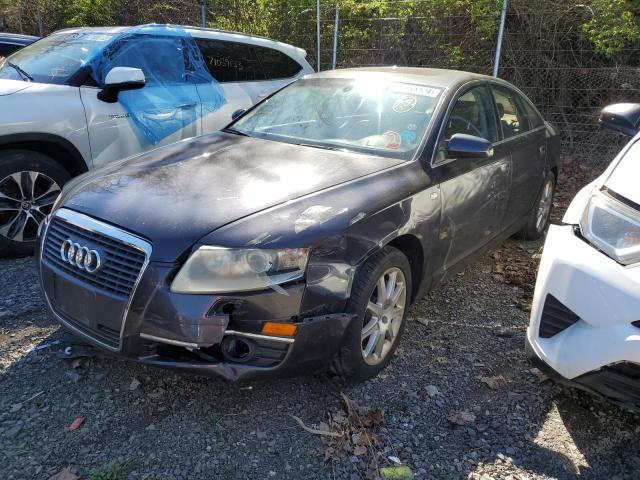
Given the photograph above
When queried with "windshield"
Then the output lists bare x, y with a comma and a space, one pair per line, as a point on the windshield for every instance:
364, 115
54, 59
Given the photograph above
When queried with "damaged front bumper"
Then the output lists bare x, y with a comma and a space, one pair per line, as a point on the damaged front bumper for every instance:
218, 335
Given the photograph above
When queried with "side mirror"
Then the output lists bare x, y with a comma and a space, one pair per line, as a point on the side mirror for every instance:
119, 79
622, 118
237, 113
462, 145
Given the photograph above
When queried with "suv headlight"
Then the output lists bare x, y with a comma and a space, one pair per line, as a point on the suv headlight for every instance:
224, 270
612, 227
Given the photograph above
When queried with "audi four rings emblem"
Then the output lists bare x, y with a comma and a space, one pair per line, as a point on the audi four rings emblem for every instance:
80, 256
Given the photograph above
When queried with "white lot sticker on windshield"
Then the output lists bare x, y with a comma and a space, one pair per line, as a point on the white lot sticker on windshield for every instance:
416, 90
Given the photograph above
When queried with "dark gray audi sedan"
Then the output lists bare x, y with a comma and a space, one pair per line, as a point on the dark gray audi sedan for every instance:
295, 239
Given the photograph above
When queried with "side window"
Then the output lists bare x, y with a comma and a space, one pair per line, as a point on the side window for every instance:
473, 114
161, 58
276, 64
535, 120
512, 116
230, 61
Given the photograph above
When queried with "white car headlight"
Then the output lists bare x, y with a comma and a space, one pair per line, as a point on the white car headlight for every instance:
225, 270
612, 227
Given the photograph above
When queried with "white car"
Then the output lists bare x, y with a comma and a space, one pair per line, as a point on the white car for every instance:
585, 320
81, 98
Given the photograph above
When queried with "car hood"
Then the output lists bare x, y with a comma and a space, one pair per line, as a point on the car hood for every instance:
8, 87
175, 195
624, 177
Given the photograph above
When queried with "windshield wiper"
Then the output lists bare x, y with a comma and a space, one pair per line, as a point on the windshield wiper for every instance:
235, 131
322, 147
24, 74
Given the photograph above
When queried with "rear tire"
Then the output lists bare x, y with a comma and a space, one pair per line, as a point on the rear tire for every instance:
538, 220
30, 182
363, 354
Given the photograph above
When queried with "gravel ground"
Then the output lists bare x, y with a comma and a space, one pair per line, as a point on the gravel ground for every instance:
155, 424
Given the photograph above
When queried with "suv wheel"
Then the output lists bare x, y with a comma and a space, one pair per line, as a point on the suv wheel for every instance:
30, 182
380, 299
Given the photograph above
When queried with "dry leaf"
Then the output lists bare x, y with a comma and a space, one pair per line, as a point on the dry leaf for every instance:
494, 383
64, 474
359, 450
538, 373
462, 418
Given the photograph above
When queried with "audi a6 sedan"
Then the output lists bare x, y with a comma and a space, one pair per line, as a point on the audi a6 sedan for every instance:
295, 239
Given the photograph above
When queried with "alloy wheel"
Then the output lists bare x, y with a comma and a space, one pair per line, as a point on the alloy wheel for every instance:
544, 207
26, 198
383, 316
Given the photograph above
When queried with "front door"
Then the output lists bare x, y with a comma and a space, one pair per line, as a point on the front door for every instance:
166, 110
474, 191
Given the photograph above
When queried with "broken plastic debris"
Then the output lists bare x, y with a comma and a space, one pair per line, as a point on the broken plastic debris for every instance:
395, 460
76, 424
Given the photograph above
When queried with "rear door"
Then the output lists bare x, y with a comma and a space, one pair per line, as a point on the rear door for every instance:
524, 135
279, 70
474, 190
166, 110
235, 67
247, 73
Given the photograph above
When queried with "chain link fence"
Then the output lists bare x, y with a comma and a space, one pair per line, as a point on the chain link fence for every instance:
545, 52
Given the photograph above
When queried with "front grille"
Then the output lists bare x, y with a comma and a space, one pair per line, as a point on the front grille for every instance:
122, 262
556, 317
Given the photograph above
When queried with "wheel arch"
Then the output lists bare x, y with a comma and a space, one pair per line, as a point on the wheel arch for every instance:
54, 146
412, 248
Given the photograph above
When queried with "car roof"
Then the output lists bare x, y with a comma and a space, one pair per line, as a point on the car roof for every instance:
17, 38
198, 32
434, 77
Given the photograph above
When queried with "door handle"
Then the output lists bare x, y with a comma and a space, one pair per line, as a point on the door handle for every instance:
543, 150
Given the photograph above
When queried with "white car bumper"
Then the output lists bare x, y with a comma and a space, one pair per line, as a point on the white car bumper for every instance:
601, 300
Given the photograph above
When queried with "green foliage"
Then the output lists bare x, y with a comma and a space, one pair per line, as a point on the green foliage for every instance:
111, 471
90, 12
613, 26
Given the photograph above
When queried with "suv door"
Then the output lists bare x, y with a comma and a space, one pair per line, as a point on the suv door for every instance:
474, 190
525, 138
234, 66
247, 73
279, 69
166, 110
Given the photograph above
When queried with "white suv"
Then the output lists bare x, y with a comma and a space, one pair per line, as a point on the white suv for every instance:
81, 98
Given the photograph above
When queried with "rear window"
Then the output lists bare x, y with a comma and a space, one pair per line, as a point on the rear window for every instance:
230, 61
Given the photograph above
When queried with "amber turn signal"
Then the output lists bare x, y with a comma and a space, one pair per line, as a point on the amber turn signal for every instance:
278, 328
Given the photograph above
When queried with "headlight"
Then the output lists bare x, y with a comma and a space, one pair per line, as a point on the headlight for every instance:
223, 270
613, 227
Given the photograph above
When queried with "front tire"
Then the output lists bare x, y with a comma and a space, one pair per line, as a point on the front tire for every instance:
30, 182
538, 220
380, 299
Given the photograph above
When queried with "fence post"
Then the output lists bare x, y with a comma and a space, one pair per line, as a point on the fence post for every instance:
203, 14
503, 15
39, 18
318, 35
335, 37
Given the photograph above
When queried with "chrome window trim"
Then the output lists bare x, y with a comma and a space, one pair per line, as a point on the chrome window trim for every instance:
88, 223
